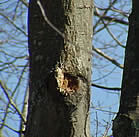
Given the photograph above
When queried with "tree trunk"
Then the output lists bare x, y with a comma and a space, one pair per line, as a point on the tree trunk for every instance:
126, 123
60, 69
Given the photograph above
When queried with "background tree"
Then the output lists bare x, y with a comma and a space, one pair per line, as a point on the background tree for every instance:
126, 124
110, 30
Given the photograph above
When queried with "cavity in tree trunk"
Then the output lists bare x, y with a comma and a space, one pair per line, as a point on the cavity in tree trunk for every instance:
60, 68
126, 123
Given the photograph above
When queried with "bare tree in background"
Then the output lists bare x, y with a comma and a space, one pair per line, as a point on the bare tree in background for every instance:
126, 123
110, 30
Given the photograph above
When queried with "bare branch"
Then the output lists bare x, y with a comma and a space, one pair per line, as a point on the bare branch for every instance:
112, 19
47, 20
25, 3
10, 100
107, 57
24, 111
18, 28
5, 125
111, 34
108, 88
107, 111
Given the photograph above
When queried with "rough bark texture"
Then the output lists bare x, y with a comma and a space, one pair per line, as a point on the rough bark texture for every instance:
60, 69
126, 123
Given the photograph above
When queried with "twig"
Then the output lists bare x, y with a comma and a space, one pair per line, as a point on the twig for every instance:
47, 20
108, 58
108, 18
11, 101
5, 125
105, 26
96, 124
18, 28
25, 3
24, 112
107, 111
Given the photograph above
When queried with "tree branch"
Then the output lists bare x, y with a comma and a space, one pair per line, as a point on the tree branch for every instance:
107, 57
108, 18
11, 101
103, 87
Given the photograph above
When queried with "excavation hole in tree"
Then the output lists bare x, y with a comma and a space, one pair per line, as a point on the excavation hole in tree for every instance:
67, 83
70, 83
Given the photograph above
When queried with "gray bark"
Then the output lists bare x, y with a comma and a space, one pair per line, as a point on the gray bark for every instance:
60, 69
126, 123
